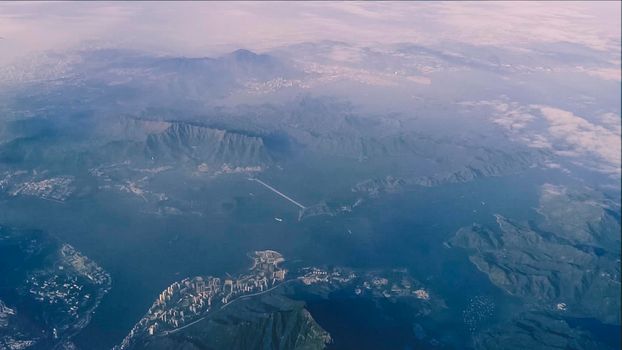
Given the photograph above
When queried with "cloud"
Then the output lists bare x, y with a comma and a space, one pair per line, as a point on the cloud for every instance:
591, 144
582, 137
503, 23
202, 28
550, 190
614, 74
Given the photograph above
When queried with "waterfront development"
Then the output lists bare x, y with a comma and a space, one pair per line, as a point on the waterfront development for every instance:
191, 299
64, 285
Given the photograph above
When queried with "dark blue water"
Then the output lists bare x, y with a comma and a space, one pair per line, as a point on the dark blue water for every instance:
408, 230
145, 253
604, 333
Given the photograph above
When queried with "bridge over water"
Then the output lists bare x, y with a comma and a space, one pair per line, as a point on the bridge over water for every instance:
277, 192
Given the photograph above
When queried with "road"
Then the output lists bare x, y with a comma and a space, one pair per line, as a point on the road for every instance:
277, 192
182, 327
224, 306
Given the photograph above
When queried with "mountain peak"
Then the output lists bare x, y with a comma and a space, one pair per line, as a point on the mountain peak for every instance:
244, 55
243, 52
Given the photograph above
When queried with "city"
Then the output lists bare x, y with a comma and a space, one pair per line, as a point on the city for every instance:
190, 300
24, 183
396, 283
73, 285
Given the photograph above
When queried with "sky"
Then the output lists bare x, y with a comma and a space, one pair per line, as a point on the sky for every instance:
208, 28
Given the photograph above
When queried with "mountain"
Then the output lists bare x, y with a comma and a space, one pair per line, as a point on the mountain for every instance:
262, 322
183, 141
545, 269
103, 75
245, 64
582, 216
539, 330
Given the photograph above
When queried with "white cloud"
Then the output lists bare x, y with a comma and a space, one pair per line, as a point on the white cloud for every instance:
612, 121
614, 74
583, 137
200, 28
550, 190
516, 23
605, 73
591, 144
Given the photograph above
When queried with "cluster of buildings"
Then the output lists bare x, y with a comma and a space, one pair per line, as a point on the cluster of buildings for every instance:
313, 275
228, 169
73, 284
84, 266
182, 302
5, 313
264, 87
7, 178
134, 181
395, 284
56, 188
190, 299
62, 290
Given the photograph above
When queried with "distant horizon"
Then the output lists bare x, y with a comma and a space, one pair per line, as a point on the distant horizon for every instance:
212, 28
